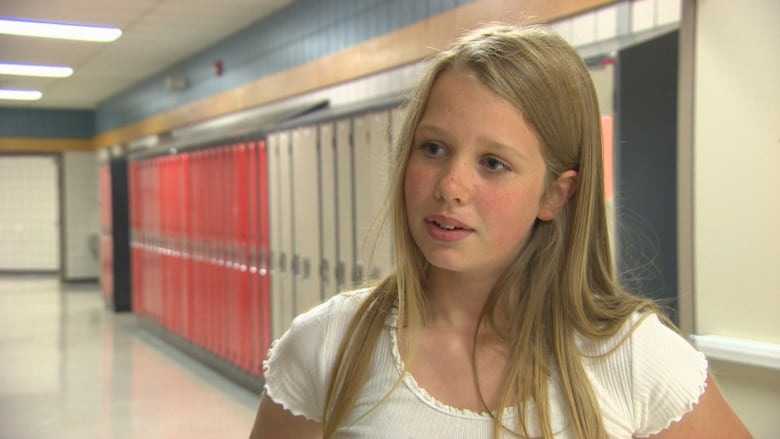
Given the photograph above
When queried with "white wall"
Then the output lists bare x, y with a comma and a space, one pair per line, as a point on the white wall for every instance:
736, 192
81, 216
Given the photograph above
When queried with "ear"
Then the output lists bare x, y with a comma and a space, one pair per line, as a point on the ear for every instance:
559, 193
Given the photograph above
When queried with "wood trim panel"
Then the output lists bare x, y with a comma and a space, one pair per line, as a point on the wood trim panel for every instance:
39, 144
391, 50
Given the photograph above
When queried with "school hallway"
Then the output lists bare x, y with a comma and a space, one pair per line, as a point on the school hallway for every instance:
70, 368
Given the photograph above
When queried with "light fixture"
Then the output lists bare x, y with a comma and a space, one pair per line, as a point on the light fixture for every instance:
35, 70
65, 31
20, 94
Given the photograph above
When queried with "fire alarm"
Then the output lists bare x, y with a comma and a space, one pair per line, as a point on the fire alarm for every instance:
218, 67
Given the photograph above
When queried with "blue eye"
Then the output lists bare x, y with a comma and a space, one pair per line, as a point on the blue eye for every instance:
432, 149
494, 165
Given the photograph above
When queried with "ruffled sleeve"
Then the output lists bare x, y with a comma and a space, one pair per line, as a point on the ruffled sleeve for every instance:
668, 376
298, 367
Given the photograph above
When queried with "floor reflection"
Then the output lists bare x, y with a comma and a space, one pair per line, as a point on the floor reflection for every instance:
71, 369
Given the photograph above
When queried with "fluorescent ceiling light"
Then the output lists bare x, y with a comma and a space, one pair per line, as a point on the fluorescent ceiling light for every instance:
35, 70
19, 94
63, 31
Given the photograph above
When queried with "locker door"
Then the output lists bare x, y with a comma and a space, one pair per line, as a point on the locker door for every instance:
345, 209
371, 147
329, 214
198, 275
210, 234
281, 245
252, 334
225, 195
240, 325
230, 291
185, 242
159, 286
263, 269
306, 219
381, 148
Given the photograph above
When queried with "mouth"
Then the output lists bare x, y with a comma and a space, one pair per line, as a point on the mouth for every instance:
446, 223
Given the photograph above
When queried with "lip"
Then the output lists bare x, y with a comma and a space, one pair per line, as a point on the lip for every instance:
447, 221
461, 231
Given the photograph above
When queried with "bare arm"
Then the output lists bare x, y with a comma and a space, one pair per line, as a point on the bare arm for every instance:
711, 418
274, 421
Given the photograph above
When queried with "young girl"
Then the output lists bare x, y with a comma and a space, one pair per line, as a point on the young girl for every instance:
503, 317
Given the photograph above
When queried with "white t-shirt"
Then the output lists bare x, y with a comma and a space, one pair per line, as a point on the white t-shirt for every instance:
652, 379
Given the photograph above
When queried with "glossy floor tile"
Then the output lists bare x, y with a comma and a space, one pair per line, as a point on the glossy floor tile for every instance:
69, 368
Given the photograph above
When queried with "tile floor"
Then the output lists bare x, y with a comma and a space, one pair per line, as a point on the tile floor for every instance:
71, 369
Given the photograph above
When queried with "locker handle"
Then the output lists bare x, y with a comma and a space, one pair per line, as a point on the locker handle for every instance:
261, 263
283, 262
340, 274
295, 265
324, 271
306, 268
357, 275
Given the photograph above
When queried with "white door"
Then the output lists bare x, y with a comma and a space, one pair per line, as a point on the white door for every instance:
29, 214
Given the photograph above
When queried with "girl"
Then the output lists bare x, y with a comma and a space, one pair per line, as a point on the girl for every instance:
503, 317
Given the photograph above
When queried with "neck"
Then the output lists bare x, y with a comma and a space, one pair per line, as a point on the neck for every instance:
455, 301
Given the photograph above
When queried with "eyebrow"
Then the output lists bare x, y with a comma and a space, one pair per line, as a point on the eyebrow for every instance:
490, 143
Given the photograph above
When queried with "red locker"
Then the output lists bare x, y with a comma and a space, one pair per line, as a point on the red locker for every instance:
228, 288
136, 212
257, 340
264, 248
185, 227
240, 325
198, 274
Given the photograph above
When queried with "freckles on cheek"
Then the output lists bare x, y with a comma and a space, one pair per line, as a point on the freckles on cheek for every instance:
413, 184
509, 206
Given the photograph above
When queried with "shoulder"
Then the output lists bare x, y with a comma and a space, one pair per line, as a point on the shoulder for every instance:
299, 363
336, 310
656, 373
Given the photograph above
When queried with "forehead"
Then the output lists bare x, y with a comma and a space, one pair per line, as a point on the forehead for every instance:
460, 104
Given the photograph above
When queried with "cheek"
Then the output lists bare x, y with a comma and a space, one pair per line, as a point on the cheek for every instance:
414, 184
513, 210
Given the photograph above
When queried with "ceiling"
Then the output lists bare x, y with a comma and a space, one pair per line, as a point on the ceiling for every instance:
156, 34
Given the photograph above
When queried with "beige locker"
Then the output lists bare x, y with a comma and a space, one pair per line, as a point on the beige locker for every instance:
372, 158
281, 236
305, 219
345, 277
329, 214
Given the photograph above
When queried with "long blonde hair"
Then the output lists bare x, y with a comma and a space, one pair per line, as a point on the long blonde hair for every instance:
563, 281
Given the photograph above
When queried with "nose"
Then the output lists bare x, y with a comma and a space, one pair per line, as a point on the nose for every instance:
455, 183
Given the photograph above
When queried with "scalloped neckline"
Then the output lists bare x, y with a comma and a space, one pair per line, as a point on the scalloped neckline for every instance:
423, 394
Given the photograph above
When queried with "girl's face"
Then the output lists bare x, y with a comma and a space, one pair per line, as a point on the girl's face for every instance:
475, 178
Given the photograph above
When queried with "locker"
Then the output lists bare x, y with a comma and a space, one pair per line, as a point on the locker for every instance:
263, 268
281, 234
240, 325
177, 272
157, 286
253, 336
229, 294
212, 210
106, 249
306, 219
224, 196
135, 215
329, 214
199, 274
371, 158
183, 225
345, 277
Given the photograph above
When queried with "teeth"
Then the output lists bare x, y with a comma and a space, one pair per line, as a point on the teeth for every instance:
444, 226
